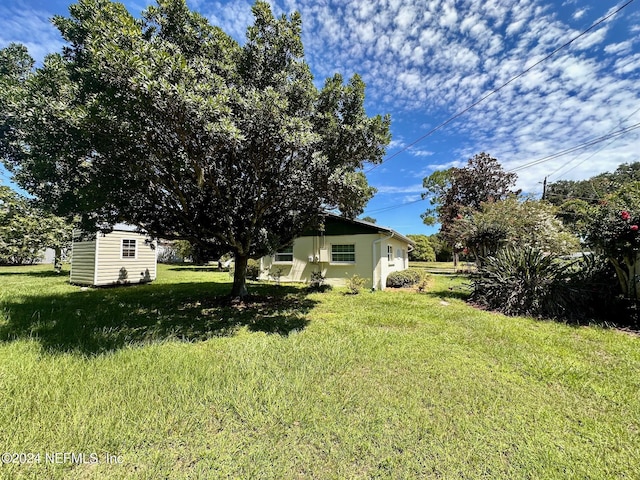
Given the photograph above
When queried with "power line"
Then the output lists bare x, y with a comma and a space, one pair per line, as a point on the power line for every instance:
593, 154
493, 92
539, 161
386, 209
577, 147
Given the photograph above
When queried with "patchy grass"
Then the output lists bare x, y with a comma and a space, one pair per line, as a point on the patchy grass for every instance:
444, 267
180, 384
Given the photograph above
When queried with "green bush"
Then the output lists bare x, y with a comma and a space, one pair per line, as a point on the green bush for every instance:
406, 278
355, 284
530, 282
317, 283
523, 282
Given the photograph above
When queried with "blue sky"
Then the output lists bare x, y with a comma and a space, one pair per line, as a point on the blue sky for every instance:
424, 61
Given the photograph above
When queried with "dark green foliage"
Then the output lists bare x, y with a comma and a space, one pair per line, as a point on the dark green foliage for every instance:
406, 278
253, 269
458, 189
163, 121
594, 294
613, 230
523, 282
26, 231
317, 283
593, 190
530, 282
443, 251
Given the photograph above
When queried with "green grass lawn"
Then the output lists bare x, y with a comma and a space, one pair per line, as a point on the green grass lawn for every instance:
179, 384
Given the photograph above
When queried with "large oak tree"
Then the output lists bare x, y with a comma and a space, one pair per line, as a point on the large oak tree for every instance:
167, 123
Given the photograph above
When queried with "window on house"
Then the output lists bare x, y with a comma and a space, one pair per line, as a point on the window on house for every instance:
128, 248
389, 253
284, 255
343, 253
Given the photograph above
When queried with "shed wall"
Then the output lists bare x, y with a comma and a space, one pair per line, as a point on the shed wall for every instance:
83, 259
112, 268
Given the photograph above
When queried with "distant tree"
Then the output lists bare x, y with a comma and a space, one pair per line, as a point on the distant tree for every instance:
594, 189
442, 250
575, 215
369, 219
423, 251
25, 231
167, 123
457, 191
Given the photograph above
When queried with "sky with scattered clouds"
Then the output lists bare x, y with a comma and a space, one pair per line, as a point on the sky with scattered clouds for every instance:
426, 61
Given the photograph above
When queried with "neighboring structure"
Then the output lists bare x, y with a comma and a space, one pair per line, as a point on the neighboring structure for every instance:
119, 257
341, 249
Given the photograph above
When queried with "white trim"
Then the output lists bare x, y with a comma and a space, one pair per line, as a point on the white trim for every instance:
375, 264
342, 262
95, 262
283, 262
135, 248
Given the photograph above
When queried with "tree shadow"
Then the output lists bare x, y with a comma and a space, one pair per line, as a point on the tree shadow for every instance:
95, 321
189, 267
36, 273
458, 292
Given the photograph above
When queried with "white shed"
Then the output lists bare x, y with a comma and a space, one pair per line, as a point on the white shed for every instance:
119, 257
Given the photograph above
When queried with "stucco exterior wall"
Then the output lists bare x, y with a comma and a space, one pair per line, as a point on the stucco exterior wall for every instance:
314, 253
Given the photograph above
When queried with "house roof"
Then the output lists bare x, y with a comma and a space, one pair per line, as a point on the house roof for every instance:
356, 226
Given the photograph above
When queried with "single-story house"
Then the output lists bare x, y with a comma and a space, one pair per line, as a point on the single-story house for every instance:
119, 257
341, 249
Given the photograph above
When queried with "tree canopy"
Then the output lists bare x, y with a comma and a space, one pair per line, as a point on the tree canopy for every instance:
594, 189
167, 123
423, 251
457, 190
528, 224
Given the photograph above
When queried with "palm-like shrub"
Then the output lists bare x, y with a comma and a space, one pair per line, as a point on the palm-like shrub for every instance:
524, 281
527, 281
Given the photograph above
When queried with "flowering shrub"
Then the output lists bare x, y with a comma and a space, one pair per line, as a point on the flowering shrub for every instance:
614, 233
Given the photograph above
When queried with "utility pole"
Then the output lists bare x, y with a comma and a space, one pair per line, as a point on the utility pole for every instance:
544, 189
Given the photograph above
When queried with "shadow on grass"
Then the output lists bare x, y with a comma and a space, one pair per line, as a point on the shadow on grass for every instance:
35, 273
189, 267
455, 290
96, 321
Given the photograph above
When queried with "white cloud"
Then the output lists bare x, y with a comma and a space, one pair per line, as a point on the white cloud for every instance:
35, 25
394, 189
619, 48
578, 14
416, 152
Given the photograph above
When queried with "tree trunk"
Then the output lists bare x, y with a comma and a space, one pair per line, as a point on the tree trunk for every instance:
239, 289
57, 260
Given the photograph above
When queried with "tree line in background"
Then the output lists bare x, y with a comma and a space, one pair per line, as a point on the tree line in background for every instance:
26, 231
527, 250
